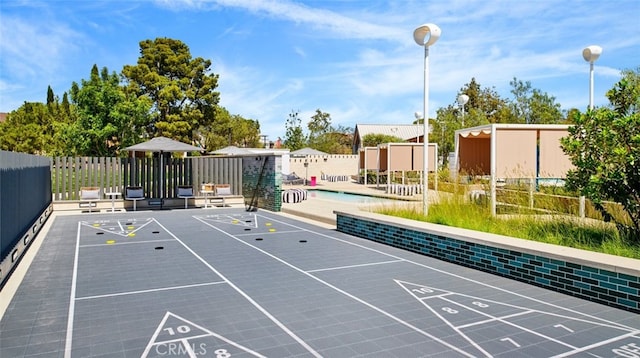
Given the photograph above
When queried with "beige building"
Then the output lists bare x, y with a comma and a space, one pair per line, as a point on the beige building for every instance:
406, 132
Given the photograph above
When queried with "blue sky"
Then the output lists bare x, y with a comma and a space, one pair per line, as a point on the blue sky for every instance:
355, 60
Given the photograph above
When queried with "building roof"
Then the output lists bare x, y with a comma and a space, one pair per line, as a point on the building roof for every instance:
233, 150
307, 151
403, 131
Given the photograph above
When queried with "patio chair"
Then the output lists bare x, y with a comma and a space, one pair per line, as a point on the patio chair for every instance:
134, 193
90, 195
221, 191
185, 192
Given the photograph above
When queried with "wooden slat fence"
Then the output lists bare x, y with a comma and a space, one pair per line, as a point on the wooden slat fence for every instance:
69, 174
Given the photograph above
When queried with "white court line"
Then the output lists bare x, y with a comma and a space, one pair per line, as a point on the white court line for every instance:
90, 225
270, 233
127, 243
244, 294
603, 321
353, 266
72, 297
503, 321
185, 340
598, 344
377, 309
446, 321
493, 319
149, 290
435, 296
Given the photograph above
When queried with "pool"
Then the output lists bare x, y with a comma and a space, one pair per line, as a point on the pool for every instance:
350, 197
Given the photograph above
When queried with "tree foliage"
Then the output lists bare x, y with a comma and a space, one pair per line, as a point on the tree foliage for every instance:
318, 126
604, 147
532, 106
108, 117
230, 130
294, 136
181, 88
38, 128
372, 140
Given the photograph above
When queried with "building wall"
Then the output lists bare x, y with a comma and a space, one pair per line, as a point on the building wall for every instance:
335, 164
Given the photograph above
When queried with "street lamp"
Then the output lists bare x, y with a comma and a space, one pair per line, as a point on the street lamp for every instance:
426, 35
418, 116
591, 54
462, 100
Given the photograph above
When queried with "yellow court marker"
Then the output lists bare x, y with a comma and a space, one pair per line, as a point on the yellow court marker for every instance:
130, 227
132, 234
272, 230
235, 221
96, 225
268, 224
109, 242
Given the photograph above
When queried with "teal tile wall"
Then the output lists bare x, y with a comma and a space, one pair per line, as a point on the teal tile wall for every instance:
606, 287
267, 187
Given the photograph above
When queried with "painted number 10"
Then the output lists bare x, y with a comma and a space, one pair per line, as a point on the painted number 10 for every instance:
179, 329
422, 290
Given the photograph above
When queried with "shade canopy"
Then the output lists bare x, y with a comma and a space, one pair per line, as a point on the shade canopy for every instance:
163, 144
306, 151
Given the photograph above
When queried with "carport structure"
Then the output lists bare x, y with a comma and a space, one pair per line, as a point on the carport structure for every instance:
504, 151
391, 158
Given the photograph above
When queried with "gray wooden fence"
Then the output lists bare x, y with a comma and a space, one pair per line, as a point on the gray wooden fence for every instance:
159, 176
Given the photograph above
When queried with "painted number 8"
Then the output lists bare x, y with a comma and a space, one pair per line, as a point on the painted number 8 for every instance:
480, 304
222, 353
449, 310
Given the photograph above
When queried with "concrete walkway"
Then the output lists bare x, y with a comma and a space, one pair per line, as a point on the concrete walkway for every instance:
321, 210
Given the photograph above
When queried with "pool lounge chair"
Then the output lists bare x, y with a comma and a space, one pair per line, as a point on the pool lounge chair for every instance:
292, 179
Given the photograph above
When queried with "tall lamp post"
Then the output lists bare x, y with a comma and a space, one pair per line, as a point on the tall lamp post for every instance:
462, 100
426, 35
590, 54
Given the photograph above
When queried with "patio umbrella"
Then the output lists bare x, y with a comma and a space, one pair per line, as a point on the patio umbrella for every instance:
162, 145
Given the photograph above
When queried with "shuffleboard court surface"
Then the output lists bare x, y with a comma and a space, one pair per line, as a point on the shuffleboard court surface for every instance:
229, 283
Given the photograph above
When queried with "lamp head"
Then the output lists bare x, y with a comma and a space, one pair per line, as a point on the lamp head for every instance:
418, 115
591, 53
426, 35
463, 99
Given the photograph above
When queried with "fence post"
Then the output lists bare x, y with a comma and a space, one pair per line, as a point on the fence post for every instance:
531, 191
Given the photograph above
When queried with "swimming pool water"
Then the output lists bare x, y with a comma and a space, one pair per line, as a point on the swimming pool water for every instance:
349, 198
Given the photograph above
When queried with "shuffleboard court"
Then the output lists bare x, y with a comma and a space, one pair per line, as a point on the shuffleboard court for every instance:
230, 283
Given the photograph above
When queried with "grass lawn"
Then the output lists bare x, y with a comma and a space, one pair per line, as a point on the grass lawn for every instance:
567, 231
